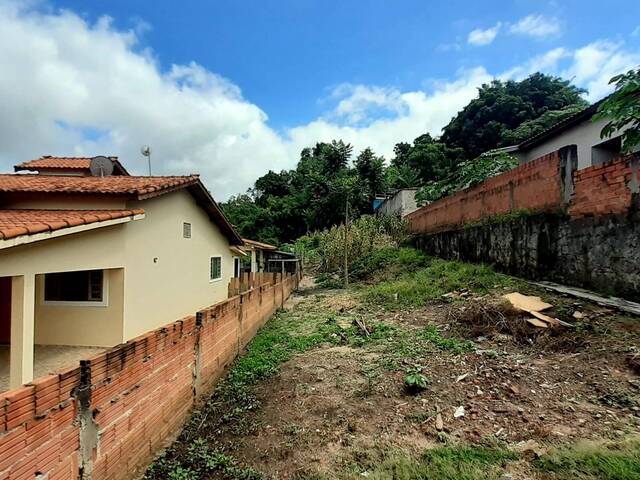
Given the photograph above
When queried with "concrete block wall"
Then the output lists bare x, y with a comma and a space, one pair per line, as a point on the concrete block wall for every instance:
105, 419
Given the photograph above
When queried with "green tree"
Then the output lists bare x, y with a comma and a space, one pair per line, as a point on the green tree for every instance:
622, 109
501, 107
370, 169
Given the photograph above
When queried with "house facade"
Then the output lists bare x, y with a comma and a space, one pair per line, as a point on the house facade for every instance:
401, 203
579, 129
97, 261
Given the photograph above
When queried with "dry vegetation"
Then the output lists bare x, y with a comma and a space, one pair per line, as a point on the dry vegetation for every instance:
321, 392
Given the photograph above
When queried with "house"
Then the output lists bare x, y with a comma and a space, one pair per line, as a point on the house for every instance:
578, 129
259, 252
75, 166
401, 202
96, 261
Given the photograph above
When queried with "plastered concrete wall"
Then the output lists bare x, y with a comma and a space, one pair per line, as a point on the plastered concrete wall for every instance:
402, 203
165, 276
585, 135
85, 325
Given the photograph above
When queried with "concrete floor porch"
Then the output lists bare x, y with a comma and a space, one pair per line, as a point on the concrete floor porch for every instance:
47, 359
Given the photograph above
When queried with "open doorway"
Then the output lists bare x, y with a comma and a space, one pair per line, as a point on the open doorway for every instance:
5, 310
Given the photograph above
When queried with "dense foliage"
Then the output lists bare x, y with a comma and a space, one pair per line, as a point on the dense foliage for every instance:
487, 122
623, 110
468, 173
312, 197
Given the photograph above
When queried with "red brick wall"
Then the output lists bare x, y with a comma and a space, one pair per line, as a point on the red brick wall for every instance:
603, 189
534, 186
107, 418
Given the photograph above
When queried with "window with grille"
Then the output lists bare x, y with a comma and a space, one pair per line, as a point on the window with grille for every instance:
186, 230
84, 286
215, 268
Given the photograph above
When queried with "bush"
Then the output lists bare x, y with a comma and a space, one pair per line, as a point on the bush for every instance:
325, 250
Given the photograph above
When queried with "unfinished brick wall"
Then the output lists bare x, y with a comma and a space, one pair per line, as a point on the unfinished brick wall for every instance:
546, 184
533, 186
605, 189
107, 418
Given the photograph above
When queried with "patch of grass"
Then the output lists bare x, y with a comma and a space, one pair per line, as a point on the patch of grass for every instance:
455, 345
388, 261
202, 460
444, 463
418, 288
591, 461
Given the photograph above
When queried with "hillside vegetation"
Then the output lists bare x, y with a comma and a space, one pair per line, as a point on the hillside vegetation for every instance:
283, 206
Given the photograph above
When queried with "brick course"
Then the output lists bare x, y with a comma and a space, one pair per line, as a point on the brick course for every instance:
535, 186
139, 394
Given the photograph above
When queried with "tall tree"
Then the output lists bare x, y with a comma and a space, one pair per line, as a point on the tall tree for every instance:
503, 106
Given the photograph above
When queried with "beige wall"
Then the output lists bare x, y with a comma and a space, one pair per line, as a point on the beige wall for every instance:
166, 277
86, 325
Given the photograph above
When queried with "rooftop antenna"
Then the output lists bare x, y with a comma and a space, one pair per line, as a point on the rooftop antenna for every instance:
146, 151
101, 166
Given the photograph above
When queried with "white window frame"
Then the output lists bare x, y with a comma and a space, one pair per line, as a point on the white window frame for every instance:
212, 280
63, 303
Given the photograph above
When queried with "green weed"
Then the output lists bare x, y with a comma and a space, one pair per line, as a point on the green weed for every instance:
444, 463
591, 461
418, 288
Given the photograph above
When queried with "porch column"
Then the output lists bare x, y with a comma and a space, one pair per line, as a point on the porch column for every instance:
254, 261
23, 299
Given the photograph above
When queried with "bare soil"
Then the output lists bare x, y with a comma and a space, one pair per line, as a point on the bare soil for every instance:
335, 408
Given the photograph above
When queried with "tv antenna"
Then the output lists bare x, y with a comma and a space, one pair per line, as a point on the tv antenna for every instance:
146, 151
101, 166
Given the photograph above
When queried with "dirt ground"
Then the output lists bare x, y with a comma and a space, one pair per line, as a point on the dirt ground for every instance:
337, 408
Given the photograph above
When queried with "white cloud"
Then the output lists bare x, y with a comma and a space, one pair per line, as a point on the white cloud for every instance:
62, 77
536, 26
479, 37
547, 62
70, 87
593, 66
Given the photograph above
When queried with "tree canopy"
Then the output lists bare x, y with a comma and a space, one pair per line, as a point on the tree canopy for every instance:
489, 120
285, 205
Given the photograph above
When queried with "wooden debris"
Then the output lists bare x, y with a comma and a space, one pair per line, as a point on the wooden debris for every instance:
527, 303
537, 323
439, 423
617, 303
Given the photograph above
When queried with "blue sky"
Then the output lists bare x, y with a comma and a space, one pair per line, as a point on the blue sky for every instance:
286, 55
231, 89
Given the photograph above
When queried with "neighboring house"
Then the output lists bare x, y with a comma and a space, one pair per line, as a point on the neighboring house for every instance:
401, 202
77, 166
96, 261
578, 129
259, 254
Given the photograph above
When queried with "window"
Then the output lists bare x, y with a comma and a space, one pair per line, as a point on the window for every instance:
236, 267
186, 230
215, 268
84, 286
606, 151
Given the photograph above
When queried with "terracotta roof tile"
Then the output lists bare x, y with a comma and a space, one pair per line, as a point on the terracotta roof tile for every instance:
260, 245
116, 185
64, 163
16, 223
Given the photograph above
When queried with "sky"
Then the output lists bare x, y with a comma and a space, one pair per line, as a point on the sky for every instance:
233, 88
